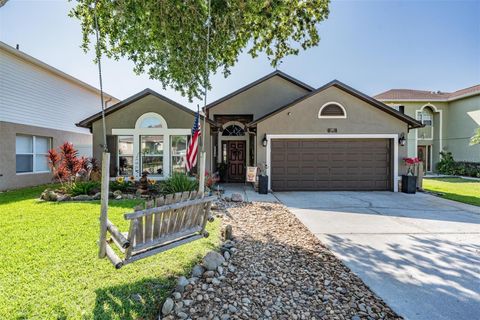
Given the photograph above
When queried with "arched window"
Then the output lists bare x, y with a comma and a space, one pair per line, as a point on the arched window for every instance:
233, 130
151, 123
151, 120
332, 110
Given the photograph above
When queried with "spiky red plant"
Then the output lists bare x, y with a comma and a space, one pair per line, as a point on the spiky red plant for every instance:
70, 161
84, 163
53, 159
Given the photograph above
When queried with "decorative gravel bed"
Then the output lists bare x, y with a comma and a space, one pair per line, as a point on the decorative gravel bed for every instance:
275, 269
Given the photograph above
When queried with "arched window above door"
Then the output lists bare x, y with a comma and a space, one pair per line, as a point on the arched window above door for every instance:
233, 131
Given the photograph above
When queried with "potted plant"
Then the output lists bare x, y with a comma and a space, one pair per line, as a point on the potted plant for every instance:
409, 180
222, 171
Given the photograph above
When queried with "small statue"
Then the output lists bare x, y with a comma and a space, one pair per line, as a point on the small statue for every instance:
143, 183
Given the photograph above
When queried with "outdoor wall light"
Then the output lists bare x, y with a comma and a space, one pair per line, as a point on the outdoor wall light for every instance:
402, 140
264, 141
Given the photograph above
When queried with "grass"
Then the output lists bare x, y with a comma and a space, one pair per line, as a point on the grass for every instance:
457, 189
49, 267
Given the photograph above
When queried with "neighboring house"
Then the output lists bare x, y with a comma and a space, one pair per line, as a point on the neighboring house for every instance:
330, 138
450, 119
39, 106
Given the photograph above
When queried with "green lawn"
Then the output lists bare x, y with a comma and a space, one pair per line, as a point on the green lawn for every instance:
458, 189
49, 267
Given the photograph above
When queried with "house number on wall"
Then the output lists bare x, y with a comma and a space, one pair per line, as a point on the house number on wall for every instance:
332, 130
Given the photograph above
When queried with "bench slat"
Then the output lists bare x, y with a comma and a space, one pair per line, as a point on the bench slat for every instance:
165, 239
157, 224
148, 222
166, 207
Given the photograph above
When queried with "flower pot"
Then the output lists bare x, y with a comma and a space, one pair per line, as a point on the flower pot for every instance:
409, 184
263, 184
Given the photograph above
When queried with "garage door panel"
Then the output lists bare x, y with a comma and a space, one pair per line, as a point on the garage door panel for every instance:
335, 164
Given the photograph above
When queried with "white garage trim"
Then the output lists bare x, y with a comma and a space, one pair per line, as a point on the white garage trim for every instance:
336, 136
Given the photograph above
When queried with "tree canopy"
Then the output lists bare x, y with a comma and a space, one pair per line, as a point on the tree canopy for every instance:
167, 38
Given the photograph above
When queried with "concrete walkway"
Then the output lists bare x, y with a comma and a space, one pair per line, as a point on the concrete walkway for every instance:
247, 191
420, 253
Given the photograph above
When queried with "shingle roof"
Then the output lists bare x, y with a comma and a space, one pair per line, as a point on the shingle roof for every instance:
409, 94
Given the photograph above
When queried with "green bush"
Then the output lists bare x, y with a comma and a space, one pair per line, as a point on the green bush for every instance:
179, 182
448, 165
86, 187
120, 185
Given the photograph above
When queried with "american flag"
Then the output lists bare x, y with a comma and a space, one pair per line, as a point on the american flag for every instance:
192, 150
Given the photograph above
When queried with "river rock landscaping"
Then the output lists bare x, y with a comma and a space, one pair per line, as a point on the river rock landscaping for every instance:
273, 268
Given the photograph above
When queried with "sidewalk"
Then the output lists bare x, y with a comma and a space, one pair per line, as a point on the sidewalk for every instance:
246, 190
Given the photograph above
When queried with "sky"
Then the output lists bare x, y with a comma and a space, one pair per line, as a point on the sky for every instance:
372, 46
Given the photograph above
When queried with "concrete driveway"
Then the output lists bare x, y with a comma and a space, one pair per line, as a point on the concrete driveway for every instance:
420, 253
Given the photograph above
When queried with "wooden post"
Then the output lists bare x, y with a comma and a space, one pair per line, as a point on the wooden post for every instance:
201, 184
104, 208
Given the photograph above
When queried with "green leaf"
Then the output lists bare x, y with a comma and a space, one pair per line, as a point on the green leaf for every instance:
167, 38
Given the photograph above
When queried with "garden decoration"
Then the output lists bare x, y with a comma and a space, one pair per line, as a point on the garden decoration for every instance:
409, 181
165, 223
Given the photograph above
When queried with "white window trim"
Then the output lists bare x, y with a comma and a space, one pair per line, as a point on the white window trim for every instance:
440, 134
336, 136
151, 115
165, 132
332, 117
419, 117
33, 154
188, 136
123, 155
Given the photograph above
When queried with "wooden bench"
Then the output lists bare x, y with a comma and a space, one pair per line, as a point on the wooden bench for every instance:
164, 223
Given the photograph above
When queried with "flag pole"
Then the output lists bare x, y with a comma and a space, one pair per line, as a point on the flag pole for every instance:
201, 187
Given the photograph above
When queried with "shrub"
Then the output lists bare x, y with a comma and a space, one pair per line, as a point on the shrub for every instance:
84, 187
121, 184
448, 165
179, 182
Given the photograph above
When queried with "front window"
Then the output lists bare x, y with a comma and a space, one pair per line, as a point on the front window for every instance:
151, 151
178, 150
125, 155
426, 118
31, 153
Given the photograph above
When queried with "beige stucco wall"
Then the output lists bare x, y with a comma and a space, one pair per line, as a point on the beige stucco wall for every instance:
260, 99
464, 119
459, 120
362, 118
126, 118
8, 131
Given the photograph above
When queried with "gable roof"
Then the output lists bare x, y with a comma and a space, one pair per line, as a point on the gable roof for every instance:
257, 82
423, 95
87, 123
337, 84
25, 57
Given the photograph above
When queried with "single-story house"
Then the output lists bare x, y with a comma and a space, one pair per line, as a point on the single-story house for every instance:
330, 138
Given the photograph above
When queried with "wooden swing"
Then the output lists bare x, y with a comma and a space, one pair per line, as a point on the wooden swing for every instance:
164, 223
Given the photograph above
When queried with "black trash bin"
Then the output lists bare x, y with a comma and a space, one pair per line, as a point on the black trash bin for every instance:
409, 184
263, 184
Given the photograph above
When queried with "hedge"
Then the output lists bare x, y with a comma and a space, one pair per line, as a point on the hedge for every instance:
448, 165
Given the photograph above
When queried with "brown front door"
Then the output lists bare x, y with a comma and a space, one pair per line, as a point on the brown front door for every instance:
236, 160
422, 155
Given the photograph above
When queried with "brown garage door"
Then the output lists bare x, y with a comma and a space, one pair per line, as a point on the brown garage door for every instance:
331, 164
